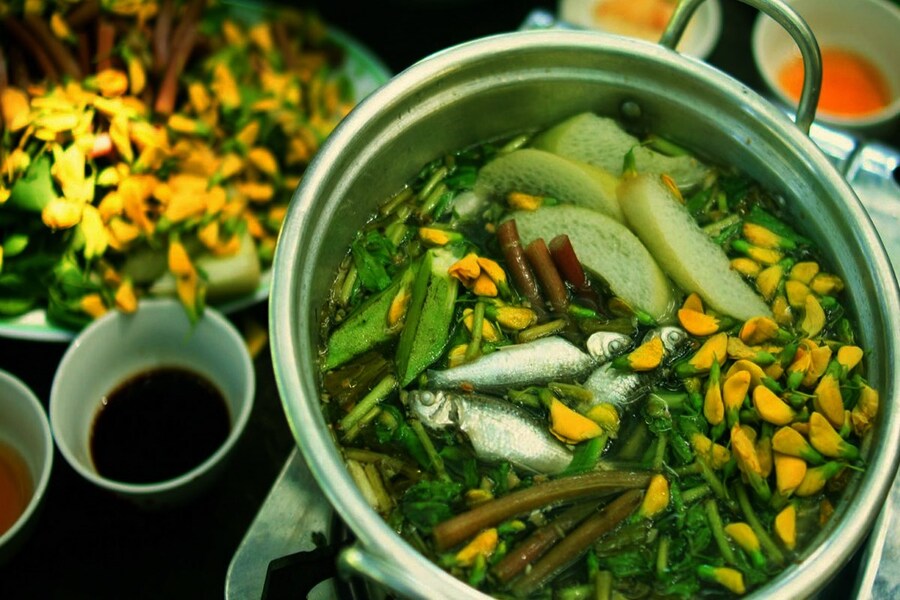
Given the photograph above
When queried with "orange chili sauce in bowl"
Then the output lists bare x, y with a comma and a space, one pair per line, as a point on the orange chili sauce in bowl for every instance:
851, 85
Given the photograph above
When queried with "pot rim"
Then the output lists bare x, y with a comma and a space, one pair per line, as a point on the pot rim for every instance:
297, 379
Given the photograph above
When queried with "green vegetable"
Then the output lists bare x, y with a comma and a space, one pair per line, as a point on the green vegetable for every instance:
34, 190
427, 503
430, 316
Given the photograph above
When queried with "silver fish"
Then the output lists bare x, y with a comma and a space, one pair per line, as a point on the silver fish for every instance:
533, 363
609, 384
674, 339
606, 345
498, 430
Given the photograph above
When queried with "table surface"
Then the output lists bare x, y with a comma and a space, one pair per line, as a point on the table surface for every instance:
89, 544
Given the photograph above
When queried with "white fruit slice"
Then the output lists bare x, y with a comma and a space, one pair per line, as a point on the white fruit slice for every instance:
601, 142
541, 173
684, 251
609, 250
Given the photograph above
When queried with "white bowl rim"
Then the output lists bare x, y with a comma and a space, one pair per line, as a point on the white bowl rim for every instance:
237, 428
872, 119
40, 487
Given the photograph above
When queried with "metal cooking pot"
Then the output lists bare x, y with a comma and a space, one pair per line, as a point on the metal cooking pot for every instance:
513, 82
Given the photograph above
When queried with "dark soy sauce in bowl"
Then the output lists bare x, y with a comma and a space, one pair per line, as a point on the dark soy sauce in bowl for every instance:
158, 425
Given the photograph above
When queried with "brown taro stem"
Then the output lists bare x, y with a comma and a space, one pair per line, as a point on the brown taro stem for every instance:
541, 540
570, 268
541, 262
283, 42
461, 527
523, 277
32, 47
161, 36
168, 88
576, 543
84, 52
83, 14
58, 52
106, 39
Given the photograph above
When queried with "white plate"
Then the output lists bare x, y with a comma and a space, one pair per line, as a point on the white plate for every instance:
361, 67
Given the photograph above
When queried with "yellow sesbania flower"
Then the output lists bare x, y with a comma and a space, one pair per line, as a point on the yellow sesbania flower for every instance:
125, 298
488, 331
68, 170
16, 109
261, 35
224, 86
111, 83
120, 134
93, 305
263, 159
96, 238
569, 426
482, 544
656, 499
61, 213
481, 275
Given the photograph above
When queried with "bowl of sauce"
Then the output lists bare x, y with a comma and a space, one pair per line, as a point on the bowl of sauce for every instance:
150, 405
26, 459
646, 20
859, 45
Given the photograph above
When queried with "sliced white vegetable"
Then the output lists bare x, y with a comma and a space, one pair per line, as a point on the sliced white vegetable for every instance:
541, 173
601, 142
609, 250
227, 276
684, 251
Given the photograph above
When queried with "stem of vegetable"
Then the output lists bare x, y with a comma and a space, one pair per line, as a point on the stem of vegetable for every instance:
474, 347
511, 246
182, 44
662, 556
83, 13
106, 39
32, 47
535, 545
349, 283
695, 493
161, 35
357, 427
541, 262
765, 539
436, 461
376, 395
542, 330
58, 52
715, 485
515, 143
603, 583
659, 456
436, 177
718, 531
576, 543
463, 526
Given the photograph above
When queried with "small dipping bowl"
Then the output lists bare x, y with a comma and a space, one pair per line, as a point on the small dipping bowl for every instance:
117, 348
859, 40
646, 19
26, 457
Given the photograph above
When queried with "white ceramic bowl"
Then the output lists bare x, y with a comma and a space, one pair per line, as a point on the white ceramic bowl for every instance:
115, 348
867, 28
699, 38
25, 430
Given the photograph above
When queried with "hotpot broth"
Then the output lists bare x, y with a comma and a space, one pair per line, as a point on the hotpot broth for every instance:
503, 104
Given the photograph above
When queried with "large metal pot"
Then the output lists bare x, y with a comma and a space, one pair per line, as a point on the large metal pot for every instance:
518, 81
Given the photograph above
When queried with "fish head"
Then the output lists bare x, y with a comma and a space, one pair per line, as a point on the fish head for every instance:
674, 339
434, 408
604, 346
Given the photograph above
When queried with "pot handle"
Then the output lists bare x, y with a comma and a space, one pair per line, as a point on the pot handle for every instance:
354, 560
798, 29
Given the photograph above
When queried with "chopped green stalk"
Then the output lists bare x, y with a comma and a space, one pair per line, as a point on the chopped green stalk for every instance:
696, 493
667, 147
437, 462
587, 455
571, 391
603, 583
429, 317
378, 393
396, 201
662, 557
543, 330
474, 347
369, 325
515, 143
358, 426
436, 177
348, 285
478, 572
764, 539
714, 484
660, 454
718, 531
431, 201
